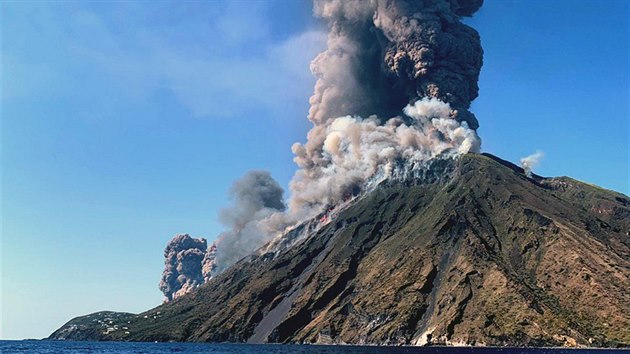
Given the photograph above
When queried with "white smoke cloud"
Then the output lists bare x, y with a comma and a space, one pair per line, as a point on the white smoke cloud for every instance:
356, 149
529, 163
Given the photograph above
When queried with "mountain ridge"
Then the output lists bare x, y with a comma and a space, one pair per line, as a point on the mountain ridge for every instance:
487, 256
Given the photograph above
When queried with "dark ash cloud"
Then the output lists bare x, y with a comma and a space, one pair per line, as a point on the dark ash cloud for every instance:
183, 265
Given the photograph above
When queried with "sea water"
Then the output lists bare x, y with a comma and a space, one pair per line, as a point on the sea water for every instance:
49, 347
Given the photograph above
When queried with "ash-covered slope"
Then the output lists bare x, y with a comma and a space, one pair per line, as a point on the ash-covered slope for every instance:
483, 255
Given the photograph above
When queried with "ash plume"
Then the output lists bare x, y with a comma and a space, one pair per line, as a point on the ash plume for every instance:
528, 163
394, 85
183, 265
384, 54
256, 198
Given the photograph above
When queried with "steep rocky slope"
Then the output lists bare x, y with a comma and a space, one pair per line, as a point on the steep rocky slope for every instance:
483, 255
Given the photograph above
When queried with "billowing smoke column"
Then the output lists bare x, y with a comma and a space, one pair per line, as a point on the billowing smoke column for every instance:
256, 197
393, 91
382, 56
183, 265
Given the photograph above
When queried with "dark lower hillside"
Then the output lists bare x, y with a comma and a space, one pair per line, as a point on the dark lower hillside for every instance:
487, 257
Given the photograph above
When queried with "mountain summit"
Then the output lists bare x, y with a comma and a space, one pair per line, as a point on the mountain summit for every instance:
481, 255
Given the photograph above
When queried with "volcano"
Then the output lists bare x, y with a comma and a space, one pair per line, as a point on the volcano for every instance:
477, 254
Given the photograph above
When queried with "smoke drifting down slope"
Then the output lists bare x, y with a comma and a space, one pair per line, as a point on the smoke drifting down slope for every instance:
393, 91
256, 196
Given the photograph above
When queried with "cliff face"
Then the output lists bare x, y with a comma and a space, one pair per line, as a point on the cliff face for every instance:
486, 256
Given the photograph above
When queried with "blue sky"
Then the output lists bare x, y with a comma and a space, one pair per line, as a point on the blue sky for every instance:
124, 123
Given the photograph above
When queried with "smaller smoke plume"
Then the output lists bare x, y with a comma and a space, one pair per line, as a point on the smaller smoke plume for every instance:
189, 262
256, 198
183, 265
530, 162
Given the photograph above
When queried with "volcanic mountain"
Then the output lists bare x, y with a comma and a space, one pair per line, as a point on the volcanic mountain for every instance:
472, 251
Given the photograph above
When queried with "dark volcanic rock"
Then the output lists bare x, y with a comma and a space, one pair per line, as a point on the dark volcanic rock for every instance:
487, 256
93, 327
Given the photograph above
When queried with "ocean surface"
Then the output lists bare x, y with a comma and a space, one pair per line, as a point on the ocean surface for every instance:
41, 347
